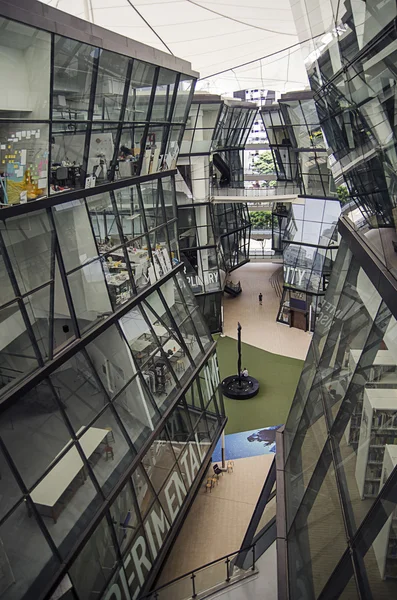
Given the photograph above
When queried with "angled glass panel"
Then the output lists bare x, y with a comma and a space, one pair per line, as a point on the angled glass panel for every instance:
112, 454
94, 565
112, 71
74, 234
26, 69
29, 240
184, 90
102, 151
90, 294
130, 212
124, 517
142, 489
136, 411
23, 160
138, 335
18, 357
34, 432
24, 566
172, 494
67, 153
79, 390
164, 93
37, 308
159, 460
11, 492
112, 360
73, 66
140, 91
310, 539
6, 290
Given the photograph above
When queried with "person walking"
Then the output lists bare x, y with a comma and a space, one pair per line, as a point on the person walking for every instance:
260, 299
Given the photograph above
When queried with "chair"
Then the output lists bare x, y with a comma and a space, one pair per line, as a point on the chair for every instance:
110, 435
109, 452
180, 365
208, 486
230, 466
217, 470
215, 480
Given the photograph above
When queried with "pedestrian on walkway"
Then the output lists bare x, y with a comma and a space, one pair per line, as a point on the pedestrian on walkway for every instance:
260, 299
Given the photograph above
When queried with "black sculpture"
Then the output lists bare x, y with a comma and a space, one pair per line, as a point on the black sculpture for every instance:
239, 387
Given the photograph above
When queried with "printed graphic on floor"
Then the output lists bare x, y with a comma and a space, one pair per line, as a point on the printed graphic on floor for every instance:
247, 443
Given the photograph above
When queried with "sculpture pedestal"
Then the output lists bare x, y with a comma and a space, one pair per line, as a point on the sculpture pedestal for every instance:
240, 388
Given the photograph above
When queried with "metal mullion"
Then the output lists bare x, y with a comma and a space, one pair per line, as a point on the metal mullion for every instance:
19, 299
64, 279
121, 118
174, 97
122, 236
145, 225
166, 223
50, 108
138, 372
186, 115
51, 340
75, 439
179, 334
334, 434
148, 117
98, 380
168, 118
185, 306
28, 502
88, 336
90, 115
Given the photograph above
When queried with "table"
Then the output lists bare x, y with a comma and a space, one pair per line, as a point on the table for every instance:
140, 345
51, 488
160, 331
170, 345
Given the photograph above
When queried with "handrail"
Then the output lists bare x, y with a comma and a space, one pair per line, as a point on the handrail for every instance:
194, 571
231, 561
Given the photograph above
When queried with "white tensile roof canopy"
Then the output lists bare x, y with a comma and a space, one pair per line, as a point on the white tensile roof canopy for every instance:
223, 40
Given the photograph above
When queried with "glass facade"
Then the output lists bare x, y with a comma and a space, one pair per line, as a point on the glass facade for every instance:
305, 232
297, 144
75, 115
213, 238
310, 244
109, 400
340, 460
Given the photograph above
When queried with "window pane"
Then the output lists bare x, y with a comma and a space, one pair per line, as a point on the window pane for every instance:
24, 565
73, 63
24, 160
94, 566
25, 68
113, 454
112, 71
89, 294
74, 234
29, 243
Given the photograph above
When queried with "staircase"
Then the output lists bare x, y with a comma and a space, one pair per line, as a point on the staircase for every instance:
277, 281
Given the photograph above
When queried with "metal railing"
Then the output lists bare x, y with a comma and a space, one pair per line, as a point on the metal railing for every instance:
231, 568
256, 192
276, 281
207, 579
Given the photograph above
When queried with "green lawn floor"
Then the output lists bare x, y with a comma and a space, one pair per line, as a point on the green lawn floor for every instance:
277, 375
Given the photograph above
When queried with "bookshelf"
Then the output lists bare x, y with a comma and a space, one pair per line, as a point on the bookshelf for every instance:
378, 427
383, 370
385, 545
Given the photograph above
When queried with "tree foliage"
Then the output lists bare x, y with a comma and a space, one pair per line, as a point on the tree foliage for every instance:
264, 163
343, 194
261, 219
